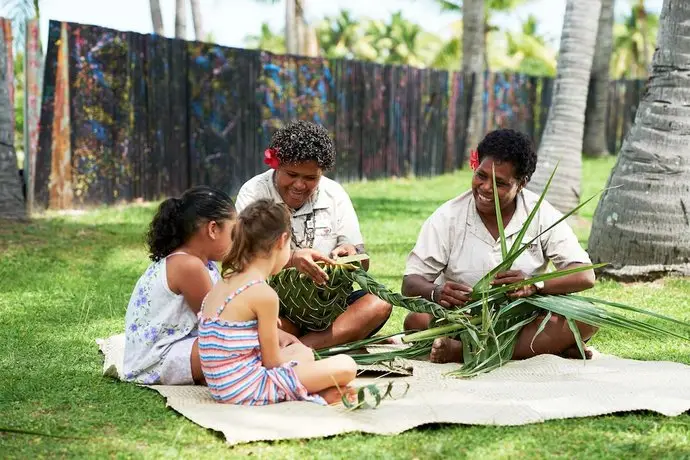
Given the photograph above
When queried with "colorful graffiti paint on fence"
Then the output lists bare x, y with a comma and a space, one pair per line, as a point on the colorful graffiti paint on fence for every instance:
33, 68
150, 116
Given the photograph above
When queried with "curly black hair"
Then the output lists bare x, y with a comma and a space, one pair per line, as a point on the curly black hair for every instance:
512, 146
302, 141
178, 218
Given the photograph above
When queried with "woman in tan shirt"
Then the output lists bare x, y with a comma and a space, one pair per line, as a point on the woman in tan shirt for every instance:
324, 225
458, 244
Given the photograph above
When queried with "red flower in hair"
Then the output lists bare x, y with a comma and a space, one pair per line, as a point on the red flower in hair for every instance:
474, 160
271, 158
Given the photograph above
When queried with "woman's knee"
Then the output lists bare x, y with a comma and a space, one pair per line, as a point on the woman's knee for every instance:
586, 331
380, 309
416, 321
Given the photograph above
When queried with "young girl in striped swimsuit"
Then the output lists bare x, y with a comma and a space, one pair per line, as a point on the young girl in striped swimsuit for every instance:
238, 329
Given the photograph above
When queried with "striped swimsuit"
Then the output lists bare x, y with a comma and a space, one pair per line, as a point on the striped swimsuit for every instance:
230, 358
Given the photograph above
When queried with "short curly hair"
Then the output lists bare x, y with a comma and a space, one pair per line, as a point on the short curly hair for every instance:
512, 146
302, 141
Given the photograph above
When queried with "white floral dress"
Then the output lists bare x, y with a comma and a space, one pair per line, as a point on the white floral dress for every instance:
156, 320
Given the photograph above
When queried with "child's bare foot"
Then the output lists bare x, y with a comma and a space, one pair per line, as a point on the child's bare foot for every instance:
446, 350
334, 395
574, 353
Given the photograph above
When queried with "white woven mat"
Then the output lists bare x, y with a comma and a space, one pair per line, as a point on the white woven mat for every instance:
538, 389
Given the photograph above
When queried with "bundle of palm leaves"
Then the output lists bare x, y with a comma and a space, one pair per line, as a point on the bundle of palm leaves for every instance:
488, 326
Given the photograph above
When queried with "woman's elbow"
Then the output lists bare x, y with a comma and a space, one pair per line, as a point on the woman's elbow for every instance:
588, 279
405, 289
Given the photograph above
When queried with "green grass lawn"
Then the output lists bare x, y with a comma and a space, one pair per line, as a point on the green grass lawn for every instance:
65, 281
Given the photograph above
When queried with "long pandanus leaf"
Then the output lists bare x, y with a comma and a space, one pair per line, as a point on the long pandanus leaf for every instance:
588, 313
436, 332
630, 308
353, 346
578, 338
541, 327
530, 217
482, 285
499, 215
543, 277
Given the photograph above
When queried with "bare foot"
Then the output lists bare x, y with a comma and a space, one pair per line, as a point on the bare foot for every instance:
333, 395
395, 340
574, 353
446, 350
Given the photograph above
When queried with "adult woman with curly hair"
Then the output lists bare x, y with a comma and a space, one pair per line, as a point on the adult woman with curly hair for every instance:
324, 225
459, 243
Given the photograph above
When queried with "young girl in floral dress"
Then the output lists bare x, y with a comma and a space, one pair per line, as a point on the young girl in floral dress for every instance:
186, 236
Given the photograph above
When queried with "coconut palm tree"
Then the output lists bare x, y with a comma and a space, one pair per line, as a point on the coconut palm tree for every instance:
296, 28
473, 46
594, 144
527, 51
342, 36
397, 41
634, 43
641, 225
490, 7
157, 17
267, 40
196, 18
562, 138
180, 19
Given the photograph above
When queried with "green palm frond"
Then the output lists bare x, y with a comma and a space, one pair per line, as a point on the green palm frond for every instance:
316, 307
489, 326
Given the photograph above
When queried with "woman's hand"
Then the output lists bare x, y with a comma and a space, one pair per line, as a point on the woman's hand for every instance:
304, 260
452, 294
344, 250
514, 276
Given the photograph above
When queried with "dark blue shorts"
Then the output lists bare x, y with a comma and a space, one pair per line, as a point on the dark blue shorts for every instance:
354, 297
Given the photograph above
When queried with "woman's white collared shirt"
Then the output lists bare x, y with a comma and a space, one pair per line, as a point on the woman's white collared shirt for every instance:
455, 245
334, 223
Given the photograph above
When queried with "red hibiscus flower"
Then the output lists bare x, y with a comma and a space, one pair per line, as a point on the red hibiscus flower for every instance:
271, 158
474, 160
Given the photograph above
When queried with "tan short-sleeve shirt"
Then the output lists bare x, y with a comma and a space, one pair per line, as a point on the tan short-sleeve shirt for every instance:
454, 244
334, 221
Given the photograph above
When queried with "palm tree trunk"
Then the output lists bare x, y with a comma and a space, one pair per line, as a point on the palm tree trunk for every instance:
473, 46
565, 124
291, 27
157, 17
11, 198
595, 144
301, 29
642, 227
196, 18
180, 19
642, 20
